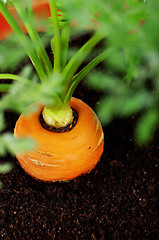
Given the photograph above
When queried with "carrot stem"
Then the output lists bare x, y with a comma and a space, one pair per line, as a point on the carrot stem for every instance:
6, 87
65, 33
79, 76
29, 23
57, 40
23, 40
78, 58
14, 77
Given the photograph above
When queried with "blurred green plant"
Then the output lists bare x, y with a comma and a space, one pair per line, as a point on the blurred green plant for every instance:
5, 168
13, 55
130, 78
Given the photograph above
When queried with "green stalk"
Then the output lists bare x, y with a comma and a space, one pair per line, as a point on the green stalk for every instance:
36, 38
14, 77
23, 40
79, 76
78, 58
5, 87
57, 39
59, 116
65, 33
29, 24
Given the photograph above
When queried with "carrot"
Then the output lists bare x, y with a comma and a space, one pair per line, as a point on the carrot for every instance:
41, 10
61, 156
65, 155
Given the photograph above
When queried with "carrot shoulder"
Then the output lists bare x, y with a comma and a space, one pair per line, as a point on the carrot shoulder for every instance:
61, 156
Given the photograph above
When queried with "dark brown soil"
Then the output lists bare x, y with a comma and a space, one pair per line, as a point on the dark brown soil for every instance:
117, 200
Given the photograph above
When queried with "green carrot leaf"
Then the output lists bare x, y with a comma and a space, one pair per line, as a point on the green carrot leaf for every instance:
14, 145
4, 87
2, 121
146, 126
5, 168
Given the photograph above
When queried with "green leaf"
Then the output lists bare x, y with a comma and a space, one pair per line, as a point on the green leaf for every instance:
8, 61
146, 126
53, 45
27, 17
2, 122
27, 71
105, 82
8, 2
106, 109
1, 185
4, 87
2, 148
5, 168
15, 145
133, 101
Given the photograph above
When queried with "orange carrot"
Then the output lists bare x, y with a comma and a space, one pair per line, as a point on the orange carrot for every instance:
40, 9
61, 156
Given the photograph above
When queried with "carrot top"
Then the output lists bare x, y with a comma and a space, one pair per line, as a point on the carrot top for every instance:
59, 112
124, 30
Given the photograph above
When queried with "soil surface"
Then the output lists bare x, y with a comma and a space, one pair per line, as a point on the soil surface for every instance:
117, 200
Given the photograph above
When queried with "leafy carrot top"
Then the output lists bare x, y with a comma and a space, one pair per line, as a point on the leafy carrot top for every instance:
128, 34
